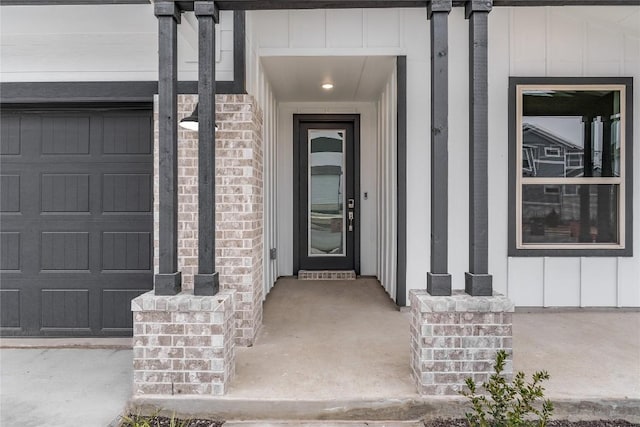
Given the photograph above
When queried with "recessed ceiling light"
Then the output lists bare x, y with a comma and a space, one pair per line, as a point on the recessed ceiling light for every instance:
327, 86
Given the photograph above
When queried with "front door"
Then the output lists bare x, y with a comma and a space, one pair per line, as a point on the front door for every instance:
326, 188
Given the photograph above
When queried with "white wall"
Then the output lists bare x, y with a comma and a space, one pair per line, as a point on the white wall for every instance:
368, 172
119, 42
99, 43
559, 41
387, 183
579, 42
259, 87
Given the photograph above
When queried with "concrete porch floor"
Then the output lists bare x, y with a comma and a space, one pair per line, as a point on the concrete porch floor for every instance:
327, 351
339, 350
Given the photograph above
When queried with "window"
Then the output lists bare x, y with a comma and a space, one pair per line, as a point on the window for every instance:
570, 160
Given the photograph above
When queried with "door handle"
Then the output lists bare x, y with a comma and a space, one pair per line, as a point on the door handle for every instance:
350, 220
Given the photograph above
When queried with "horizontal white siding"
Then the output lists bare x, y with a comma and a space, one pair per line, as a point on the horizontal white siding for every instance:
99, 43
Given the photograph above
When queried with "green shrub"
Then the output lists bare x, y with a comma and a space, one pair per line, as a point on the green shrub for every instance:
511, 404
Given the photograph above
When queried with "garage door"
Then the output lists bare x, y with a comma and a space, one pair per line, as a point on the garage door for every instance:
76, 219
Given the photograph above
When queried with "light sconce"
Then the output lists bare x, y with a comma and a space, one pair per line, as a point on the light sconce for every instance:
191, 122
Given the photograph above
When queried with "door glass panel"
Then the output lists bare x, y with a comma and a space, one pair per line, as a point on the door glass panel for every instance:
326, 225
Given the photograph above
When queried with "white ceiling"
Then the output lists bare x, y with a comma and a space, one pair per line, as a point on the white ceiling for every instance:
355, 78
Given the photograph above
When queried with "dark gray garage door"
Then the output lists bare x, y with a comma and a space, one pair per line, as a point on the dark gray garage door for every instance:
76, 221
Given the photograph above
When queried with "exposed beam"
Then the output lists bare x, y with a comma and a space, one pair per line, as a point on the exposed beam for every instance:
477, 280
169, 280
324, 4
68, 2
438, 277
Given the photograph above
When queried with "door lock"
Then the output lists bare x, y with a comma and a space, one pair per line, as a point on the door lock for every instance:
350, 220
351, 204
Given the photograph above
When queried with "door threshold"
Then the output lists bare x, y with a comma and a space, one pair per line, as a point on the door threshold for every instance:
326, 275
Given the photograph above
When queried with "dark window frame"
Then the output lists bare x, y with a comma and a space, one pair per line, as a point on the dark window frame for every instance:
514, 169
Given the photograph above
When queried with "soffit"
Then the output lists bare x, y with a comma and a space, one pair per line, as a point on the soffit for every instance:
355, 78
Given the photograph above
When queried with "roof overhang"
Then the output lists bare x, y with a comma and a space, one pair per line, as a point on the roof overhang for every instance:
325, 4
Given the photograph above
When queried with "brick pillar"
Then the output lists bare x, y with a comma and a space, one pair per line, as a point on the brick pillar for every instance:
183, 344
455, 337
239, 205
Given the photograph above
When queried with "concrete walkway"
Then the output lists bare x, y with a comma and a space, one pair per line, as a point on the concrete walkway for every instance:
333, 351
63, 387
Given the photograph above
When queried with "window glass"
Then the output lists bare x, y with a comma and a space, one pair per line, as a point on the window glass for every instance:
570, 167
570, 133
569, 214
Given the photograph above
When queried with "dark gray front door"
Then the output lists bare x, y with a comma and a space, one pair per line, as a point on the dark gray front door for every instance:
326, 192
76, 219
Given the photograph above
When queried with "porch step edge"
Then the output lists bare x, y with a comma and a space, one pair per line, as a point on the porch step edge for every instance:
402, 409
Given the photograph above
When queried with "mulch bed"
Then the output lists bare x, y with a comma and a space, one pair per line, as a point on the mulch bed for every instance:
166, 422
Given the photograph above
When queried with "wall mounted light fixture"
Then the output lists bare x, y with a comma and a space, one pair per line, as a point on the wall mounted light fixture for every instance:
191, 122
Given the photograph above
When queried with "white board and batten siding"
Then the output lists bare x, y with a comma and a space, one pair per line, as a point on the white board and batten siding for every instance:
387, 183
119, 43
368, 168
577, 42
349, 33
547, 41
258, 85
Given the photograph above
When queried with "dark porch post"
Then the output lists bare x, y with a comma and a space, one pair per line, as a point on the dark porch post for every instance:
169, 279
438, 279
206, 282
477, 281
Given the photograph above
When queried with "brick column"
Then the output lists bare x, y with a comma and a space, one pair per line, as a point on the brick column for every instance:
239, 205
456, 337
183, 344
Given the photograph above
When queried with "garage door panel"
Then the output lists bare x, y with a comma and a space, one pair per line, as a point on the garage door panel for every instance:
127, 134
126, 251
115, 307
10, 250
10, 193
10, 135
76, 239
65, 308
65, 135
65, 192
10, 308
127, 192
64, 251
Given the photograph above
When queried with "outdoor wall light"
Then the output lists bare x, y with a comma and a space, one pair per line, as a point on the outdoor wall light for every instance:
191, 122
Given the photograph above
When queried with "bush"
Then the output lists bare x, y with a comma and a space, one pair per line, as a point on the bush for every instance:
510, 404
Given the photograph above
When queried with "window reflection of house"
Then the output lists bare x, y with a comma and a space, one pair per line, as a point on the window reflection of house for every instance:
547, 155
326, 193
